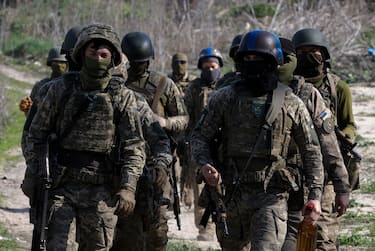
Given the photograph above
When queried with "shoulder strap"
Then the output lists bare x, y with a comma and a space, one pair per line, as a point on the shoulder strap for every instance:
159, 91
278, 97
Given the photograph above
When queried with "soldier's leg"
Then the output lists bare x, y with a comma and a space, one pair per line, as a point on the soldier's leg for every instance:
268, 226
294, 218
328, 223
188, 178
156, 237
95, 218
129, 234
238, 221
205, 233
61, 227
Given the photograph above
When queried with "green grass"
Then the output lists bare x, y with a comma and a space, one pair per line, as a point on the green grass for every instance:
363, 232
368, 188
13, 129
7, 243
183, 246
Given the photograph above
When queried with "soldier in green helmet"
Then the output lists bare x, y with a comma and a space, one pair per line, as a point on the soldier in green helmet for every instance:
313, 63
96, 128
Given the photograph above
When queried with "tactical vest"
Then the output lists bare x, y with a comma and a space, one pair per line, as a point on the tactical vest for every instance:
94, 129
149, 86
328, 92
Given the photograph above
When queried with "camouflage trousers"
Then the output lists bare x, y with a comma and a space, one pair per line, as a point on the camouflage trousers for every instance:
81, 217
130, 234
256, 221
294, 218
328, 223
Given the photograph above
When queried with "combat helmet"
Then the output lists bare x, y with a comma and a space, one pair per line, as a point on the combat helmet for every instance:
312, 37
98, 31
137, 46
209, 52
235, 45
54, 55
261, 42
70, 39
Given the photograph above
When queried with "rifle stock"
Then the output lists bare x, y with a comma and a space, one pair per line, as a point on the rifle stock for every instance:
176, 199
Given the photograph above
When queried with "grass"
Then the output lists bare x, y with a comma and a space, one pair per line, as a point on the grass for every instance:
368, 188
363, 234
13, 130
184, 246
6, 243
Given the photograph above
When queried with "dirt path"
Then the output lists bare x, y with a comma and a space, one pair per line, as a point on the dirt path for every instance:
14, 205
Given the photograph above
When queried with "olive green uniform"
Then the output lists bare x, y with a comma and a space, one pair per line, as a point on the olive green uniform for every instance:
257, 209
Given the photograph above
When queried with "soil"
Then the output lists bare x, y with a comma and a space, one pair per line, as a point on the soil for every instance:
14, 208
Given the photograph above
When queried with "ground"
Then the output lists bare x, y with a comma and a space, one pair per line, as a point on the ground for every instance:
14, 205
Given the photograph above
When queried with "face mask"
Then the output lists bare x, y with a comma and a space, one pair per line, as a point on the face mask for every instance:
259, 75
310, 65
95, 74
179, 68
58, 69
286, 70
210, 75
137, 69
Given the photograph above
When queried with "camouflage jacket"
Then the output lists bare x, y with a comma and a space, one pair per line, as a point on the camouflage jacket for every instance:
182, 84
227, 79
221, 112
196, 98
172, 106
52, 116
324, 126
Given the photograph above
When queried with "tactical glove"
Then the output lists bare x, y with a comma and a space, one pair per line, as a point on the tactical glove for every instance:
25, 104
341, 203
161, 175
28, 187
126, 203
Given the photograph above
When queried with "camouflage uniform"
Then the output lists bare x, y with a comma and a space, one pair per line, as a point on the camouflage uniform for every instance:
172, 108
332, 159
196, 98
130, 230
227, 79
106, 130
255, 205
337, 97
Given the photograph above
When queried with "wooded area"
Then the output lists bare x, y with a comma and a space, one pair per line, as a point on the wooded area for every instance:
29, 28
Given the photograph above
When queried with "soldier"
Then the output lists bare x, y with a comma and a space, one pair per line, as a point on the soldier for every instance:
196, 98
313, 64
68, 44
169, 110
258, 116
180, 74
323, 123
96, 125
233, 75
58, 64
181, 78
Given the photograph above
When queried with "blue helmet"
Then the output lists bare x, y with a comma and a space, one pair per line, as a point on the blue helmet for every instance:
209, 52
261, 42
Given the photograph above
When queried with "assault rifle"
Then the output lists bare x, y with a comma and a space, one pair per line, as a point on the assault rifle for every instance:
39, 206
176, 199
215, 207
346, 145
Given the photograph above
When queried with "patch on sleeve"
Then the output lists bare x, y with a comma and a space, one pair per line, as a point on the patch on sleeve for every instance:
328, 123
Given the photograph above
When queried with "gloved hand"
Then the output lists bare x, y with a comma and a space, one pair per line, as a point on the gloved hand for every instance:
25, 104
161, 175
341, 203
126, 203
312, 216
28, 187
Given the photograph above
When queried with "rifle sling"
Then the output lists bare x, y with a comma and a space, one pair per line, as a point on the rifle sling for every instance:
159, 91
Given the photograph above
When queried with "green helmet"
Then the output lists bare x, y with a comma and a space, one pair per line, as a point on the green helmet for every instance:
54, 55
98, 31
312, 37
70, 39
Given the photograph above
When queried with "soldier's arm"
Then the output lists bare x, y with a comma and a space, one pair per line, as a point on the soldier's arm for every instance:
345, 117
132, 145
188, 100
306, 139
332, 158
177, 117
156, 138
